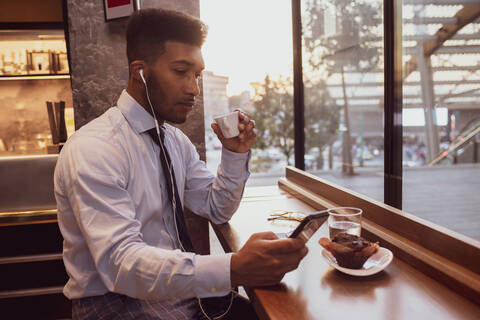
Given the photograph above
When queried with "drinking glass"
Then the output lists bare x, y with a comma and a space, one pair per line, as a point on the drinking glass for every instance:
344, 219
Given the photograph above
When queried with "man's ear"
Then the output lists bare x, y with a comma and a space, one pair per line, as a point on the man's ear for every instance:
135, 67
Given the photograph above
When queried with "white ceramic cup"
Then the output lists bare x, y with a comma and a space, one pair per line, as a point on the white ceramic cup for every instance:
228, 123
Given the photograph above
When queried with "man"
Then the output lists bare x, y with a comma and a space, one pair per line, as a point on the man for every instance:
121, 183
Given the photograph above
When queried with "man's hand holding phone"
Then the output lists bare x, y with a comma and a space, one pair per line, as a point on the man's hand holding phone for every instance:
309, 225
264, 259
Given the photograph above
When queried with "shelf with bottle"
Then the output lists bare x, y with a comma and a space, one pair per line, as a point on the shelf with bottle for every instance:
34, 62
33, 53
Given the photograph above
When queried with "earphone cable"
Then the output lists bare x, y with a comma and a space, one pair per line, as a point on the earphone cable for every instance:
174, 201
174, 205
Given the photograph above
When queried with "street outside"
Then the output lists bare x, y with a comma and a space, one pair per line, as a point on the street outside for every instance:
444, 195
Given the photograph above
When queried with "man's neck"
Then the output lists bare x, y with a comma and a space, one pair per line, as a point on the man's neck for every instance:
139, 95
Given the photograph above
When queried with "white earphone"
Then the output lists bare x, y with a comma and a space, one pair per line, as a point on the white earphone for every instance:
141, 76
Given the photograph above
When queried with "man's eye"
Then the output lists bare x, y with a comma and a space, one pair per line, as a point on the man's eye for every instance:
180, 71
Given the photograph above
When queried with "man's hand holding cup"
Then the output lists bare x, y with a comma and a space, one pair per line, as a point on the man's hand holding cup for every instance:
236, 131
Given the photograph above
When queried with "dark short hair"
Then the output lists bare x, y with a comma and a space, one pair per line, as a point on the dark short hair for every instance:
149, 29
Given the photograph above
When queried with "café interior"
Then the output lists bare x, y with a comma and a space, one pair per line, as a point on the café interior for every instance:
381, 114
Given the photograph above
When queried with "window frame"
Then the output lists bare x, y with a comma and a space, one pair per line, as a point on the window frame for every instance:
393, 129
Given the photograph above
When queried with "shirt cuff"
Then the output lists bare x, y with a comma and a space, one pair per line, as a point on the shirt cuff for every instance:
235, 163
212, 275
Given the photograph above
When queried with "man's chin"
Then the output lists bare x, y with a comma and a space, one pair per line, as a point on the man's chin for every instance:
178, 120
178, 116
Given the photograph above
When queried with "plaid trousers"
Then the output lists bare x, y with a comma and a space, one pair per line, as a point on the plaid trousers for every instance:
112, 306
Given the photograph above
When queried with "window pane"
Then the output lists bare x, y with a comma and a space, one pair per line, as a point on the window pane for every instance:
343, 78
248, 59
441, 114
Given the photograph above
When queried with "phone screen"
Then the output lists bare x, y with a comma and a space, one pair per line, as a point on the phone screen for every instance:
309, 226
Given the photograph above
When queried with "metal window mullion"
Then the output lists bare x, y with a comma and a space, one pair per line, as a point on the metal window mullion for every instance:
393, 132
298, 98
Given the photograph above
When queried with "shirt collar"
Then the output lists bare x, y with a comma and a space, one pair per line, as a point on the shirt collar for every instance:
136, 115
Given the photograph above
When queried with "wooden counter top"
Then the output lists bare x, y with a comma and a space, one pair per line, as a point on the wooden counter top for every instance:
317, 291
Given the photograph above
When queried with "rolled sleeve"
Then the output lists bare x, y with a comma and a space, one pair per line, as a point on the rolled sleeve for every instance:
212, 275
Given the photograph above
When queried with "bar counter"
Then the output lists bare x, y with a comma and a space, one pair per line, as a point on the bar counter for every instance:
317, 291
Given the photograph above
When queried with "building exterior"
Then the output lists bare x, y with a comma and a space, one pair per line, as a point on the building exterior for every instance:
214, 95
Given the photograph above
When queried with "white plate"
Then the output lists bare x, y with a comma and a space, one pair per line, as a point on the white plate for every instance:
376, 263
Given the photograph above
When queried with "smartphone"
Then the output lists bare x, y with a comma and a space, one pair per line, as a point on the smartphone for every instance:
309, 225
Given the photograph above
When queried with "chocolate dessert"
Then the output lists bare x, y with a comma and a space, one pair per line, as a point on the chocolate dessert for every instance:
351, 251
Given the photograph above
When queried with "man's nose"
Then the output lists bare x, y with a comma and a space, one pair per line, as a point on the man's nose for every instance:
193, 87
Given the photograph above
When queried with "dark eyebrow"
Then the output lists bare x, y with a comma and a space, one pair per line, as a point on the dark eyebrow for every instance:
185, 62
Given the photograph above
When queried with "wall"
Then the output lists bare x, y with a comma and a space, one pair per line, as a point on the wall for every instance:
99, 67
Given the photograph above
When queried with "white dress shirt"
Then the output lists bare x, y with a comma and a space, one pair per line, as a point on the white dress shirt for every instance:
116, 218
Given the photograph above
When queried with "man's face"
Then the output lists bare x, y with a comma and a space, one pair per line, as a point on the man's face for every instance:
173, 81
